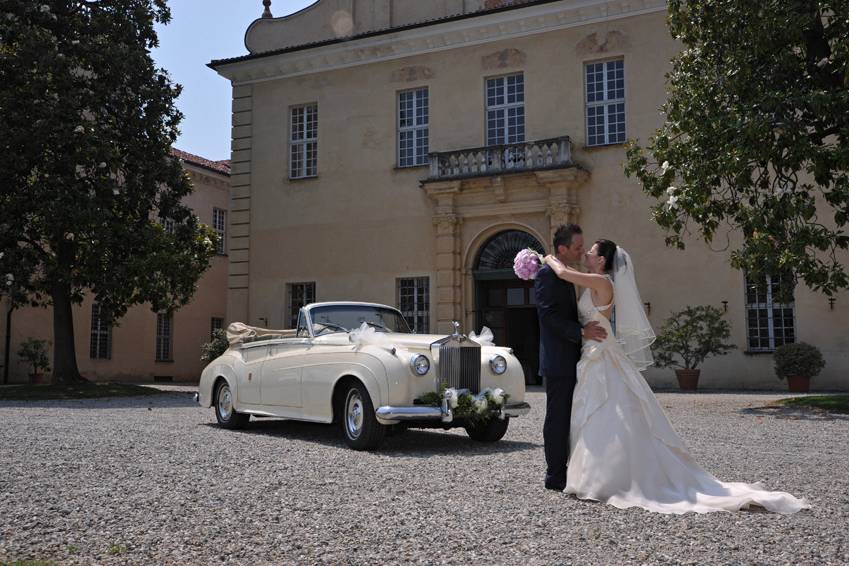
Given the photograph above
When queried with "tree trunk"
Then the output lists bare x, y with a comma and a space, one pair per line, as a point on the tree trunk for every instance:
64, 354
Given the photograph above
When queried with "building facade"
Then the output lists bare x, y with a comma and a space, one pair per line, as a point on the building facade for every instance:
143, 345
402, 152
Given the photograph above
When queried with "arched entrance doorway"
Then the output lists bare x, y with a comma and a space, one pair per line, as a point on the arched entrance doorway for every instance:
505, 303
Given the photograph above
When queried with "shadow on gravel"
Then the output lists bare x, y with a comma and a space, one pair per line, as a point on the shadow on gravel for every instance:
410, 443
162, 401
795, 414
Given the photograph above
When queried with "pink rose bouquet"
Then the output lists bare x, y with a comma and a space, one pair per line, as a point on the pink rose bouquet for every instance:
526, 264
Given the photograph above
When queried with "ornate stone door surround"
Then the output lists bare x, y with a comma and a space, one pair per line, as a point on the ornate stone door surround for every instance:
467, 211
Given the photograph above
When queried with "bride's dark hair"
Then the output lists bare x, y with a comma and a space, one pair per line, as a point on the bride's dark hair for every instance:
607, 250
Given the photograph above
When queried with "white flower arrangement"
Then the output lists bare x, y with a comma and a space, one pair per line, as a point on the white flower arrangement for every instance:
464, 404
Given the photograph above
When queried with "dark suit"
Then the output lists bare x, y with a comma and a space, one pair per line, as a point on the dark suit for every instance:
559, 352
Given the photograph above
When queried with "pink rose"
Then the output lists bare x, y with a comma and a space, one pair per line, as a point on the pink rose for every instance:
527, 264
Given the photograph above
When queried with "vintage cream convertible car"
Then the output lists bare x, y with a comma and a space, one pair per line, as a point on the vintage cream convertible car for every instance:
329, 370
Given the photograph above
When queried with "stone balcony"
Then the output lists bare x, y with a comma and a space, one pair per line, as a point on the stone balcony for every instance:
554, 153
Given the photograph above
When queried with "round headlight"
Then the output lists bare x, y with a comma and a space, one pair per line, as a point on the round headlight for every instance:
419, 364
498, 365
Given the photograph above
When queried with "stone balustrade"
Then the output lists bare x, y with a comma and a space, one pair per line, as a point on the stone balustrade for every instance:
552, 153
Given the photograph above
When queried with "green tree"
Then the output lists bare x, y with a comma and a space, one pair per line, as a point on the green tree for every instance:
688, 337
756, 135
86, 126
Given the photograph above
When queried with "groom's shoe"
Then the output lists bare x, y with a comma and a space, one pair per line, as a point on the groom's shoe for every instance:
555, 486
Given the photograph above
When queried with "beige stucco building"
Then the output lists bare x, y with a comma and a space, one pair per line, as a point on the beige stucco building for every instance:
144, 345
402, 152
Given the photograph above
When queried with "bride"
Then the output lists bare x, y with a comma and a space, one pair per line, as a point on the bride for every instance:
623, 449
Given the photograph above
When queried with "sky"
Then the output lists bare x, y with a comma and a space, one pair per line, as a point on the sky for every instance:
200, 31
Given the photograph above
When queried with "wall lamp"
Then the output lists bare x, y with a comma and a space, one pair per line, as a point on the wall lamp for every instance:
831, 301
647, 304
724, 306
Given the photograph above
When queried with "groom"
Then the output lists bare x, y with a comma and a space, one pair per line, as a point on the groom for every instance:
561, 336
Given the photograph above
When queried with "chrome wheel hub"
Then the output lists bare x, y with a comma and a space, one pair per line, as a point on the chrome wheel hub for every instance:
354, 415
225, 402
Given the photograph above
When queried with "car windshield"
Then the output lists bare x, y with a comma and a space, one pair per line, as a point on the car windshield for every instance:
343, 318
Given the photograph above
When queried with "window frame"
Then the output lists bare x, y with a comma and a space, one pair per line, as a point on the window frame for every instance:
94, 350
505, 107
212, 325
164, 340
416, 313
304, 142
169, 225
413, 129
292, 317
769, 306
605, 103
221, 248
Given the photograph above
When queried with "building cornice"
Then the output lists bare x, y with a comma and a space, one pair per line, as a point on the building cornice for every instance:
486, 28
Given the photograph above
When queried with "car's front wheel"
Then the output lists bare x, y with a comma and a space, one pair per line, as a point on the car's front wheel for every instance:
359, 424
491, 430
225, 410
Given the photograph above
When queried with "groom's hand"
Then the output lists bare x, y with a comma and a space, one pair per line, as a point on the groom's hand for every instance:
592, 331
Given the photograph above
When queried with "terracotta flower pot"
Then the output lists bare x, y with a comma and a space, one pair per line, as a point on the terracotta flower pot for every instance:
798, 383
688, 379
38, 378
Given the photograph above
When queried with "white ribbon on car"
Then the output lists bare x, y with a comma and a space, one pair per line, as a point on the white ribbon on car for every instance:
485, 338
367, 335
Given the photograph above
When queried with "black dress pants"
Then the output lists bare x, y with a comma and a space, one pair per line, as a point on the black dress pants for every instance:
555, 431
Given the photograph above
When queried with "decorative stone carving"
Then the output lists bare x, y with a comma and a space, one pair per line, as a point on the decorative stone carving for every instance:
613, 41
505, 58
446, 223
342, 23
493, 4
268, 34
410, 74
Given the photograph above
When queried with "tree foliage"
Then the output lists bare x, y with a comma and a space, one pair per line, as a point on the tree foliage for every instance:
756, 135
215, 347
799, 359
86, 127
691, 336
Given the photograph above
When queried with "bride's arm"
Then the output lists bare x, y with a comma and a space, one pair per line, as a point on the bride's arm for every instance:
598, 283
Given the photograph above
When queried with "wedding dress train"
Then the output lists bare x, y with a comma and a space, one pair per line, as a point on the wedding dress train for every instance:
625, 452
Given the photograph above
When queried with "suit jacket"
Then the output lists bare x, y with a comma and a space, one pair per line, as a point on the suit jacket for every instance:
559, 328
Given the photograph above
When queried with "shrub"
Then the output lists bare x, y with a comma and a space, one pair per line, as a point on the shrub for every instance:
34, 352
215, 347
692, 335
798, 359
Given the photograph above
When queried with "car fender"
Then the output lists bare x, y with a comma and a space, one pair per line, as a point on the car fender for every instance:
220, 367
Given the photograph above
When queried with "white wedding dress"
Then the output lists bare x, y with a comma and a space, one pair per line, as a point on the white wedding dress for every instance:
625, 452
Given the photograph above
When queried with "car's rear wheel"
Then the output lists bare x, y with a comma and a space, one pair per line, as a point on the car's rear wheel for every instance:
491, 430
225, 410
360, 428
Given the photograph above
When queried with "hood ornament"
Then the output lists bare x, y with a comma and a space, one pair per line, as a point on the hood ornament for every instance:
456, 337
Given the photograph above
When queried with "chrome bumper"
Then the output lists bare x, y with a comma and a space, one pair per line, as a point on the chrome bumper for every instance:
393, 415
196, 397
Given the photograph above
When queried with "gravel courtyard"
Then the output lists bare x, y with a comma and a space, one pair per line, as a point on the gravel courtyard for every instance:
155, 481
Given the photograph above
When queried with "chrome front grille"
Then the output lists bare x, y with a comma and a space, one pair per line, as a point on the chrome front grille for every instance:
460, 365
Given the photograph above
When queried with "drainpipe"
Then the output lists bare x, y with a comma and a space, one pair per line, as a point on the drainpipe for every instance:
8, 342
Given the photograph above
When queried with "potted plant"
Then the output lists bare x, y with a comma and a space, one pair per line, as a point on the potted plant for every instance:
34, 353
687, 338
798, 363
